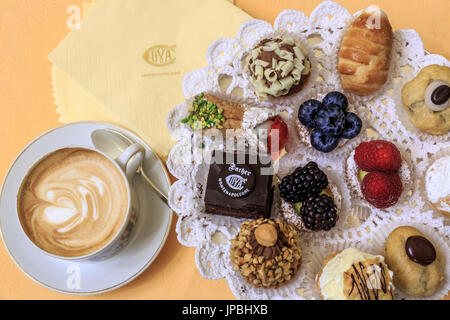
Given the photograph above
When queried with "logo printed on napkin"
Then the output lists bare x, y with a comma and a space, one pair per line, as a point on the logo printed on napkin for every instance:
160, 55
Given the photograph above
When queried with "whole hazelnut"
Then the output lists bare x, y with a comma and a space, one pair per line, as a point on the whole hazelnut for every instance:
266, 235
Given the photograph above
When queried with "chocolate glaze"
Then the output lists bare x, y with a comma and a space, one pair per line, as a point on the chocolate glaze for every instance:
440, 95
420, 250
368, 289
255, 204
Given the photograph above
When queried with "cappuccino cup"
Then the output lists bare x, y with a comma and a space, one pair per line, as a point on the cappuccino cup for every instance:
78, 203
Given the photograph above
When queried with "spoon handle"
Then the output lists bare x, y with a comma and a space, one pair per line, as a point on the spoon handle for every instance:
159, 193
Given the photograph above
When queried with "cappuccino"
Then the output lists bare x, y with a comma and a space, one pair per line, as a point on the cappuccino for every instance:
73, 202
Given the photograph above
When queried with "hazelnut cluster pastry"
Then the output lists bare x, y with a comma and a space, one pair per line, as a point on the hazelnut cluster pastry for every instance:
266, 252
278, 67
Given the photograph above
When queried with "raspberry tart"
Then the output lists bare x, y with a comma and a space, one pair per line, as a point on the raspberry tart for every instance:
378, 172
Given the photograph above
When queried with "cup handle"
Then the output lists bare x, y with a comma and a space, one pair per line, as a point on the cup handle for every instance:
130, 159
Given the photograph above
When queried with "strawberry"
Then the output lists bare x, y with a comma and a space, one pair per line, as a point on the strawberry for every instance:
382, 189
278, 130
378, 155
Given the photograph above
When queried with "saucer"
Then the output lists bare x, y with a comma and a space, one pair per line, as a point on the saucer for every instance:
86, 277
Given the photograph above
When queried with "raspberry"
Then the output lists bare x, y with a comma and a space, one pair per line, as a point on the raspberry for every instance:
381, 189
278, 129
378, 155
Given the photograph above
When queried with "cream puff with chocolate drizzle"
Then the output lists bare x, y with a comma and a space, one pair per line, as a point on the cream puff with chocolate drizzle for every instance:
355, 275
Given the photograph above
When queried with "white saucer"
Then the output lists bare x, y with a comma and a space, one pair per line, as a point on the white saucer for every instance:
86, 277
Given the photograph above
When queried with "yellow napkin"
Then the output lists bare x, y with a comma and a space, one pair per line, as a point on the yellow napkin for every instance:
126, 63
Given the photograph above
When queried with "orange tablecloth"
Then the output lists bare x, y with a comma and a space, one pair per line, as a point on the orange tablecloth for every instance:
29, 30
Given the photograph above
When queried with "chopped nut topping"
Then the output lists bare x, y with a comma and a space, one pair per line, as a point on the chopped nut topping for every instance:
266, 252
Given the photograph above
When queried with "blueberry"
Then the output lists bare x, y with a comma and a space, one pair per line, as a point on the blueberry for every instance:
336, 98
308, 111
323, 142
353, 125
330, 120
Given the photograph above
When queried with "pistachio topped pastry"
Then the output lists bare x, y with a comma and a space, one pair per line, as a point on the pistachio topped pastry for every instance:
204, 114
208, 111
278, 67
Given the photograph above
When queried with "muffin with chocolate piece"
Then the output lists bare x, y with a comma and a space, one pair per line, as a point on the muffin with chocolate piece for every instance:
266, 252
278, 67
355, 275
418, 267
426, 99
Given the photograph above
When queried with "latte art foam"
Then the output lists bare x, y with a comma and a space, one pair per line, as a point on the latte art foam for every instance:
73, 202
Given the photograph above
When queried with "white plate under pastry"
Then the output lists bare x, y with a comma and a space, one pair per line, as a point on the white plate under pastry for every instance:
86, 277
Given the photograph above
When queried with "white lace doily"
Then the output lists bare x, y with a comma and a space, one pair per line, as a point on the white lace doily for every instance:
323, 30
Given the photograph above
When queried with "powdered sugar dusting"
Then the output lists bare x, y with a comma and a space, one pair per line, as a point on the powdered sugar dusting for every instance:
437, 180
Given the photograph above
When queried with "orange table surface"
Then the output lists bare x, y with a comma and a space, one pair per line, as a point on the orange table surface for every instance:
30, 29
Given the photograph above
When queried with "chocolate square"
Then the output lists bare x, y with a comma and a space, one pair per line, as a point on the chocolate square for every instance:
239, 189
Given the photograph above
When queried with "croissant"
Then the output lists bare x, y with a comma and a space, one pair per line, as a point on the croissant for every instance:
364, 56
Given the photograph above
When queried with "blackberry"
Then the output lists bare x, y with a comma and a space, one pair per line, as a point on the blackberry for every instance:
319, 212
303, 183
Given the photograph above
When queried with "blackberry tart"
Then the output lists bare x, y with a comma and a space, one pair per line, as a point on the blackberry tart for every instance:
309, 200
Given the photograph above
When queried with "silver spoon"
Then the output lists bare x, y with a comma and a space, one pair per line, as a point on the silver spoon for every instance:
113, 143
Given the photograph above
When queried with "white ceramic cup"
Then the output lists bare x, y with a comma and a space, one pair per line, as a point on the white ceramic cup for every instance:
127, 163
